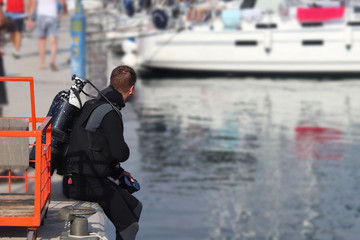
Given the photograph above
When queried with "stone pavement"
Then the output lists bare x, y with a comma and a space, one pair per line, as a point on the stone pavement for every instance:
47, 85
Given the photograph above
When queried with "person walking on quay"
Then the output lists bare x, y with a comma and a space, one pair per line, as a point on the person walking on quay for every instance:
47, 25
3, 97
96, 149
15, 9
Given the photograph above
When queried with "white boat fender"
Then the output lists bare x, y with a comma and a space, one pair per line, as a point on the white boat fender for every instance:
267, 41
130, 48
129, 45
130, 59
348, 37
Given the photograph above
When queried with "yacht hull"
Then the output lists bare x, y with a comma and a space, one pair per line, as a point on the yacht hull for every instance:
319, 49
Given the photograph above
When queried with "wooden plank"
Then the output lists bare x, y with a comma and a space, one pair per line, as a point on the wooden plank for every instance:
16, 197
14, 151
16, 205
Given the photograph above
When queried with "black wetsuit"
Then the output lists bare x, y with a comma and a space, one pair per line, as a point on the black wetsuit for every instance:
96, 148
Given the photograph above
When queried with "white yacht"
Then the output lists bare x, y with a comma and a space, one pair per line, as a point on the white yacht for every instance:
263, 36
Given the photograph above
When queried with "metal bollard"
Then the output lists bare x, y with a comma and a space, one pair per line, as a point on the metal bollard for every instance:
78, 223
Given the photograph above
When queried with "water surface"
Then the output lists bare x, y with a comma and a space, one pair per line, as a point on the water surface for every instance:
245, 158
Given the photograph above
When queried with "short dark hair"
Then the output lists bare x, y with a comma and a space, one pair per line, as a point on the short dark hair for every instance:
122, 78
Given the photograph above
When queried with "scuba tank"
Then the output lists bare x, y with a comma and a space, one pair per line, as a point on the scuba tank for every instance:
64, 108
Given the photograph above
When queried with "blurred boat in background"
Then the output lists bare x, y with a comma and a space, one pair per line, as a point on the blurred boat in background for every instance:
253, 36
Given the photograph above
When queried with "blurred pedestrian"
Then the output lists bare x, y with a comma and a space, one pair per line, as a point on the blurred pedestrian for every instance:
15, 9
3, 98
47, 25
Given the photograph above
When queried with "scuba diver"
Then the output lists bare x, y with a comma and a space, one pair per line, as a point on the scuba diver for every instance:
96, 149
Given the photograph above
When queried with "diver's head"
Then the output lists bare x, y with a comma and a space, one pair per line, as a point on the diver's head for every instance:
123, 79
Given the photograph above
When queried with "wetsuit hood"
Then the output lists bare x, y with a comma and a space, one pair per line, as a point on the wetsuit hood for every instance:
113, 95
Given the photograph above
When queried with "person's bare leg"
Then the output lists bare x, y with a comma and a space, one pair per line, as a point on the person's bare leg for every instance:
12, 38
15, 38
42, 51
15, 51
17, 41
53, 50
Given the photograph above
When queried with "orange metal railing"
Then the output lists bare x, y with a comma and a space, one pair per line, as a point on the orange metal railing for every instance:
41, 176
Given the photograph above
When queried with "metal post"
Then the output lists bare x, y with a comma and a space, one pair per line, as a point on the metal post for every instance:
78, 41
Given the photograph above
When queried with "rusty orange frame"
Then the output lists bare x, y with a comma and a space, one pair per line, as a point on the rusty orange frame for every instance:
42, 191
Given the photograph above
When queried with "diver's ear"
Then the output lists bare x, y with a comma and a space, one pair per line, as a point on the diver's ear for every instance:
131, 90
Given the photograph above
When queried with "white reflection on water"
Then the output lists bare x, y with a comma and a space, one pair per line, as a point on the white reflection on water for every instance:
249, 158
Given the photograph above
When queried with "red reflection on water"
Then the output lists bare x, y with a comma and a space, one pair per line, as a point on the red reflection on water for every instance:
318, 143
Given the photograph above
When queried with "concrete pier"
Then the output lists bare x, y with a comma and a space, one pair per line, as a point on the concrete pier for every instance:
47, 84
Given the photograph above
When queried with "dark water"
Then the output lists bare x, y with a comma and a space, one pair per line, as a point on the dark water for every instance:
245, 158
